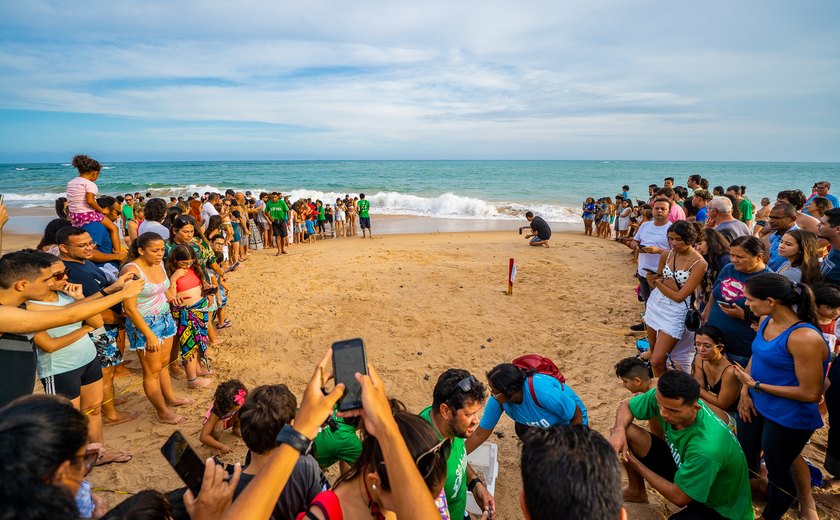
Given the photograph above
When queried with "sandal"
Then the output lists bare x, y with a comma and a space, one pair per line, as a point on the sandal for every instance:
119, 457
224, 325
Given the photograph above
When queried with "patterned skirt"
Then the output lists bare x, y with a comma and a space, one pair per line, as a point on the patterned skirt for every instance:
191, 332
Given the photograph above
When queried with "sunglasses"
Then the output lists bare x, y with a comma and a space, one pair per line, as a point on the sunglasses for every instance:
467, 384
60, 276
428, 460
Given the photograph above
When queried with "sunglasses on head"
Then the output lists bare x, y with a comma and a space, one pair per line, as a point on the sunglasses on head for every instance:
428, 460
467, 384
61, 275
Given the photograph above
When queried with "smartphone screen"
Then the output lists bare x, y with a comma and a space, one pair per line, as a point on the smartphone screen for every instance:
349, 358
187, 464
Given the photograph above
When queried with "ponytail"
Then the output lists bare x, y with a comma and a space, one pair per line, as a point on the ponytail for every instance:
141, 242
797, 296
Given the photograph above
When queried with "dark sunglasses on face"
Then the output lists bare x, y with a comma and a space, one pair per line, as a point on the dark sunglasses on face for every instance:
60, 275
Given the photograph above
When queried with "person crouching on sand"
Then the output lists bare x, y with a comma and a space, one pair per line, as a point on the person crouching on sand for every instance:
540, 231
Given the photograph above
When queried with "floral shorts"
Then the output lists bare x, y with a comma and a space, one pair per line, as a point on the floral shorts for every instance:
80, 219
105, 340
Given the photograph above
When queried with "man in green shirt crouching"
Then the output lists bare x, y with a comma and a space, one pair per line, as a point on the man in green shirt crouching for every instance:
699, 465
457, 400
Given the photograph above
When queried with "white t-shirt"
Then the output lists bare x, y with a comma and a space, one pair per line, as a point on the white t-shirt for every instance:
207, 211
76, 190
150, 226
647, 235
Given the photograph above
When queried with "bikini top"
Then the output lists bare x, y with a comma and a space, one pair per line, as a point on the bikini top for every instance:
188, 281
680, 276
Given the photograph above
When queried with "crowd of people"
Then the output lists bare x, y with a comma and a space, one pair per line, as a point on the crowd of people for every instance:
740, 326
740, 322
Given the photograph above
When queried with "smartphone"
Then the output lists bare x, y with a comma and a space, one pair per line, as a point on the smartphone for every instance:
1, 198
520, 231
726, 304
187, 464
651, 271
349, 357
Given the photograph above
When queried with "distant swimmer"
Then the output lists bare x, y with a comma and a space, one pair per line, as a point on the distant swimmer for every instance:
540, 230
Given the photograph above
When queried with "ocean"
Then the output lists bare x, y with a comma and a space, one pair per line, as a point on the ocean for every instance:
439, 189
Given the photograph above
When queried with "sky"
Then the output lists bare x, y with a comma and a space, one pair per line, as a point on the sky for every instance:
217, 80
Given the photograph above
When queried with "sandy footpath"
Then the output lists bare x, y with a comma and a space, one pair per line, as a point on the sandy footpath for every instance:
423, 303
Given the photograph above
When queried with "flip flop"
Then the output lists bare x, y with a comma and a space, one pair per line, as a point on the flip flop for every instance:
224, 325
119, 457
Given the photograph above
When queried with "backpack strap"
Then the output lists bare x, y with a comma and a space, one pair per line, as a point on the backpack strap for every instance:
533, 392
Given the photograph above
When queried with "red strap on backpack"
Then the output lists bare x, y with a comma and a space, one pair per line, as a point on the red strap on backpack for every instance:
533, 392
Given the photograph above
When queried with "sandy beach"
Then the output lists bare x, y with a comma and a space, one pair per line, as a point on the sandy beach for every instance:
423, 303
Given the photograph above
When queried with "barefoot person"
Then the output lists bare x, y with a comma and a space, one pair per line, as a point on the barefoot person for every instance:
540, 230
150, 327
76, 249
698, 466
364, 215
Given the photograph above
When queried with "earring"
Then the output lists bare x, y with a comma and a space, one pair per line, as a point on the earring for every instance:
373, 486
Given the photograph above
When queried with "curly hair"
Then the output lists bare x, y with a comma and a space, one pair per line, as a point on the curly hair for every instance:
85, 164
224, 398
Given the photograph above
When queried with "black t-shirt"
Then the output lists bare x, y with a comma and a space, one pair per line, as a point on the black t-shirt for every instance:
540, 227
90, 277
306, 481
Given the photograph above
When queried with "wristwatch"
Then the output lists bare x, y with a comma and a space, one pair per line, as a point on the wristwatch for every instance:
293, 438
757, 386
474, 482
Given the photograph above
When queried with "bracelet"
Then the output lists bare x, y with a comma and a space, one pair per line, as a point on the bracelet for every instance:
474, 482
103, 293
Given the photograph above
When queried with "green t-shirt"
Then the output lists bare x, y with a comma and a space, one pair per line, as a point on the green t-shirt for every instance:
277, 210
341, 444
456, 471
364, 208
322, 215
711, 467
128, 212
746, 208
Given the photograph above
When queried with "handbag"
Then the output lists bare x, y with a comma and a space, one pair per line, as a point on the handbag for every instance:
692, 317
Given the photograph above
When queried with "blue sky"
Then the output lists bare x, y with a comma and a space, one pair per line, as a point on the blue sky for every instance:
191, 80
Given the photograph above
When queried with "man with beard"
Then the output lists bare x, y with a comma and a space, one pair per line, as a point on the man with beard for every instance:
457, 400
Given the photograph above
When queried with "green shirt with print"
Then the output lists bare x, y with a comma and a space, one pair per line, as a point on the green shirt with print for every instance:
746, 208
277, 210
711, 467
341, 443
456, 470
364, 210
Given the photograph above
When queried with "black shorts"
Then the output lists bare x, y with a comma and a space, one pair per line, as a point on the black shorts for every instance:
659, 459
279, 228
364, 222
69, 384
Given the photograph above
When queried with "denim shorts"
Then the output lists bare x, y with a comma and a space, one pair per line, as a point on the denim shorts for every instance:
162, 325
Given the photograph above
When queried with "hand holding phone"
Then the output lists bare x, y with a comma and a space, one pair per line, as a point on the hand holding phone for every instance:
651, 271
187, 464
726, 304
349, 357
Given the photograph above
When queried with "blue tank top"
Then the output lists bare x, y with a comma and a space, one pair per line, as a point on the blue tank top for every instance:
772, 364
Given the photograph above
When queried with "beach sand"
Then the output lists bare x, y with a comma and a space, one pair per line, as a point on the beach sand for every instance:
422, 303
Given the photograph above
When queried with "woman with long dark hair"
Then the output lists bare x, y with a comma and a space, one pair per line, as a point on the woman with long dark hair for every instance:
783, 382
714, 247
719, 388
799, 248
44, 456
672, 286
149, 324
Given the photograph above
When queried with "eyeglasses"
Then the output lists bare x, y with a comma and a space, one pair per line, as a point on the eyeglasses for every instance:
86, 245
467, 384
427, 461
60, 275
88, 459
